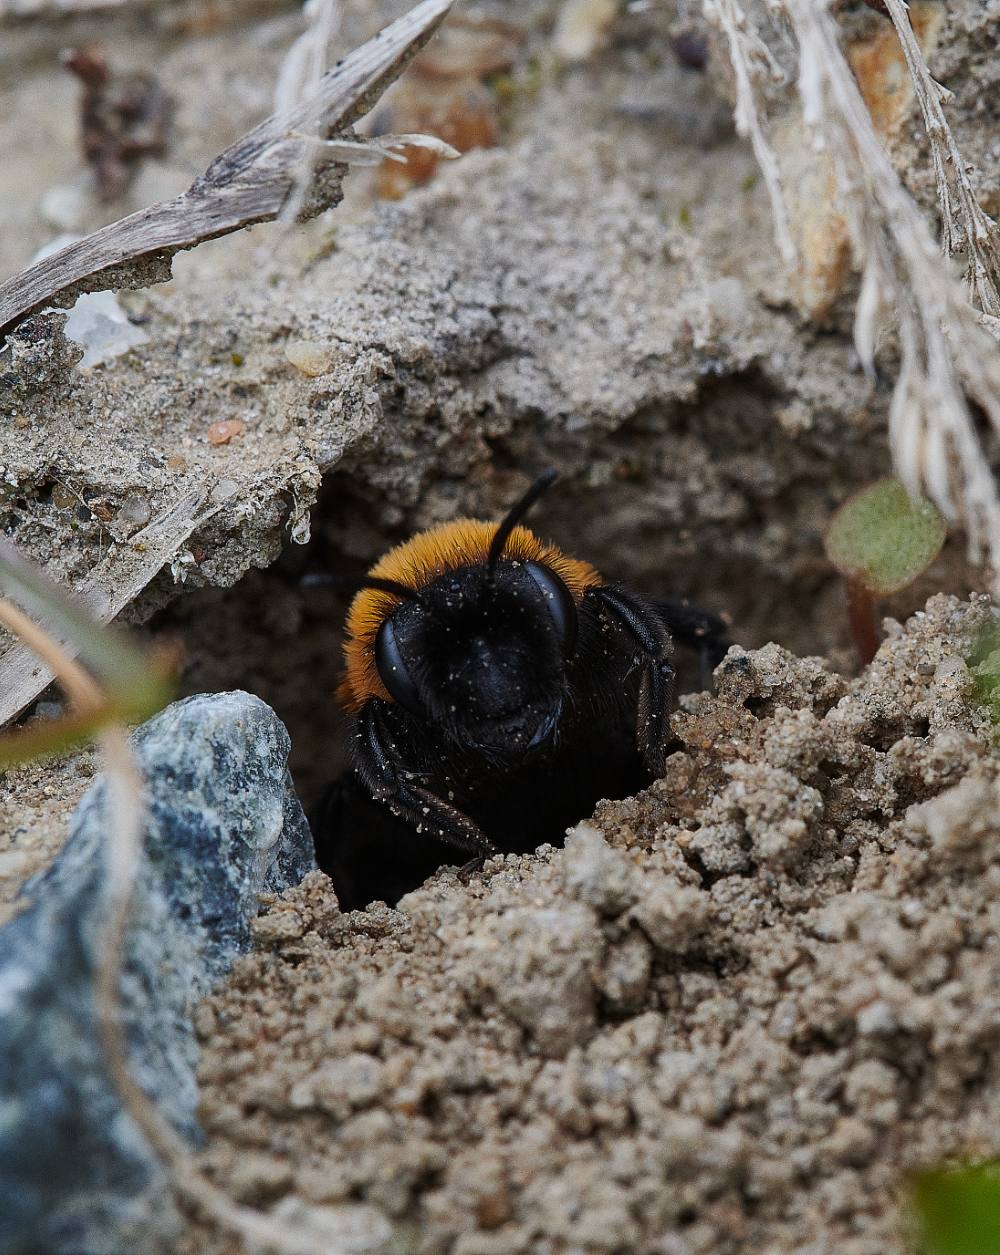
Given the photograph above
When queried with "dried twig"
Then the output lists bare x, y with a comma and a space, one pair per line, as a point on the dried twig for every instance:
980, 237
82, 690
249, 182
748, 54
298, 86
305, 62
946, 356
109, 588
126, 813
88, 706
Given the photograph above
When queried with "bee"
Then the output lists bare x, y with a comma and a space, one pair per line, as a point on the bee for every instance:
497, 690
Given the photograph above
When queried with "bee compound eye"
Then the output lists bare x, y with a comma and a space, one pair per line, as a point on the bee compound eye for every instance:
392, 670
560, 602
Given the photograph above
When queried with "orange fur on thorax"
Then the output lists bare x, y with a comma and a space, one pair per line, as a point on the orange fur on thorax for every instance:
447, 547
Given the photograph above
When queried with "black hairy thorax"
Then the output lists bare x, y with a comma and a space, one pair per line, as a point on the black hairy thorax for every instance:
518, 801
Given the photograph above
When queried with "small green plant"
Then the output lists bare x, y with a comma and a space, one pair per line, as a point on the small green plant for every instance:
957, 1210
880, 540
984, 663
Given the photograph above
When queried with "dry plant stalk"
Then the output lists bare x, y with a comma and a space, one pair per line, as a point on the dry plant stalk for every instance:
89, 708
83, 692
126, 811
247, 183
980, 238
299, 85
297, 95
946, 356
749, 55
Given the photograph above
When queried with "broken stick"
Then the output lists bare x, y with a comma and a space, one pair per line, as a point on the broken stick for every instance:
247, 183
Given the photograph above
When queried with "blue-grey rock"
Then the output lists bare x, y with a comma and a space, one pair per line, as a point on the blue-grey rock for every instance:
77, 1177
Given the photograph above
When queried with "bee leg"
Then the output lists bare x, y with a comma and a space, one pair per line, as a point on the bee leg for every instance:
378, 763
369, 853
436, 816
697, 627
638, 617
472, 868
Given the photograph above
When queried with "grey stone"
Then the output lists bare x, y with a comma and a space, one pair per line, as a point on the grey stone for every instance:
76, 1174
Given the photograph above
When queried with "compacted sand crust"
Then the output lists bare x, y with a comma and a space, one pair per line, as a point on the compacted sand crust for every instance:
36, 801
727, 1017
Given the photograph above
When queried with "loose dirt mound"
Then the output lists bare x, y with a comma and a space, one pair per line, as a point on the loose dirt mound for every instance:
728, 1016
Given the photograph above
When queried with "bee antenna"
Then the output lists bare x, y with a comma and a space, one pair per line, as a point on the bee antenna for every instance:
365, 581
514, 516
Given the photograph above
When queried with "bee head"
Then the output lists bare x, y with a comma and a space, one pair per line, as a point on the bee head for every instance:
483, 651
469, 627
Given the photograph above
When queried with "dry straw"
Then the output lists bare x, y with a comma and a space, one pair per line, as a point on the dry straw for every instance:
298, 106
947, 355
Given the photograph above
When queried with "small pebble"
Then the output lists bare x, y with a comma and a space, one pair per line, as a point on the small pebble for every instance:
222, 433
135, 509
311, 359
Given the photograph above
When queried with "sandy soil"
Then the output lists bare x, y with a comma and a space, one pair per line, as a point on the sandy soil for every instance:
727, 1017
36, 801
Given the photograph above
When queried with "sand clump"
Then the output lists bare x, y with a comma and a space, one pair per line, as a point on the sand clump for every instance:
728, 1016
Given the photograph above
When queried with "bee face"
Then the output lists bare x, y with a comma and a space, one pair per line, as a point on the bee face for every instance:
447, 572
483, 657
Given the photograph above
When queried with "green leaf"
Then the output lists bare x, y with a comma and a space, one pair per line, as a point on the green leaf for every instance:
883, 538
958, 1210
48, 737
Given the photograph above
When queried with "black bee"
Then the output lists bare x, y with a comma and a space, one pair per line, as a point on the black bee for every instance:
498, 689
